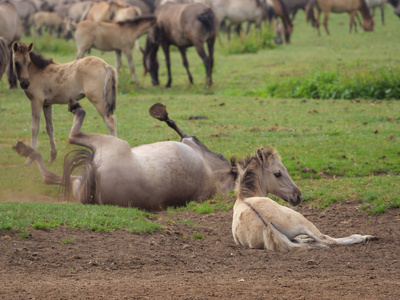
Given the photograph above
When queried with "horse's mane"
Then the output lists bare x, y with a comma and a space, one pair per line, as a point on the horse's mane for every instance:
39, 61
364, 9
137, 20
247, 184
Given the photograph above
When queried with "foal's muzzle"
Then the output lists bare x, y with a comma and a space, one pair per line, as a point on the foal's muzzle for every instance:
24, 83
296, 200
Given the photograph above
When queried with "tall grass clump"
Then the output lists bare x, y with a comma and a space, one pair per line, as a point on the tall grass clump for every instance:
50, 44
383, 83
250, 43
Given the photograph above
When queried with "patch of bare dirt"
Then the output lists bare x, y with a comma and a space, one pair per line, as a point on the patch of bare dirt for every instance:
172, 264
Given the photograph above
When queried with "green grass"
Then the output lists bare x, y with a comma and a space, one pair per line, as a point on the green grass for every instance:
335, 150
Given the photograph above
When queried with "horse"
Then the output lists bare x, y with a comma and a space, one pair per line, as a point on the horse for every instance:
182, 25
25, 9
51, 20
4, 56
372, 4
46, 83
102, 11
10, 30
118, 37
341, 6
259, 222
152, 176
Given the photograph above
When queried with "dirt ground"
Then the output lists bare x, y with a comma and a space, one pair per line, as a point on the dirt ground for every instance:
172, 264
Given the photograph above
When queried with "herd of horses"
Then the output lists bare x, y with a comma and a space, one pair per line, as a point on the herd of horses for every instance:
168, 173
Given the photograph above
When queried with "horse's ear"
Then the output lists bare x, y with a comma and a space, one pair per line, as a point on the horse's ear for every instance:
260, 154
15, 47
30, 47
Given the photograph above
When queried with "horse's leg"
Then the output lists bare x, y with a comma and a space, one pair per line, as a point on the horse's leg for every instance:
352, 21
202, 53
128, 54
317, 21
165, 48
117, 60
81, 52
228, 30
36, 110
383, 13
210, 46
326, 18
185, 63
47, 111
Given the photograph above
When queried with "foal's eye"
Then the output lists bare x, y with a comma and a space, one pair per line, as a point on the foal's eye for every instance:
278, 174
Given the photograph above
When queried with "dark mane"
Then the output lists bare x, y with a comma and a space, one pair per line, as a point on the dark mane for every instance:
247, 183
39, 61
137, 20
364, 9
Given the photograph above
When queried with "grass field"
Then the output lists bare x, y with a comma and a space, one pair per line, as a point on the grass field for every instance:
335, 150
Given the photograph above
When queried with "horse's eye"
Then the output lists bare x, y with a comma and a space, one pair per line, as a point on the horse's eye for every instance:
278, 174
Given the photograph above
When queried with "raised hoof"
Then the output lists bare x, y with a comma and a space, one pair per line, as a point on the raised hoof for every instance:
158, 111
23, 150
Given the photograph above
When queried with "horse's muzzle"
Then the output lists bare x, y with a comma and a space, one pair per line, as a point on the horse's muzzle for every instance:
24, 83
297, 200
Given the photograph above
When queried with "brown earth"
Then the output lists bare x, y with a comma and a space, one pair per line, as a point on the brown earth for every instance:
172, 264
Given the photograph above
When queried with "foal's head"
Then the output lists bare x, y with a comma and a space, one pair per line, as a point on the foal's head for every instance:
23, 58
264, 173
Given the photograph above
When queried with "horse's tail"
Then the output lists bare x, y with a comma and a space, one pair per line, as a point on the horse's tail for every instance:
82, 157
110, 89
48, 177
85, 12
207, 20
4, 56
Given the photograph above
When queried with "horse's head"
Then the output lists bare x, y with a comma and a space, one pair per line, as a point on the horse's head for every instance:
368, 24
150, 61
264, 173
21, 62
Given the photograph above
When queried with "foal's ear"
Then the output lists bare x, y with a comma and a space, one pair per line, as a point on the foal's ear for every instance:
30, 47
260, 154
15, 47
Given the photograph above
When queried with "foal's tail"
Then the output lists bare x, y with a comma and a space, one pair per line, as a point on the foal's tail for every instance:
207, 20
89, 182
110, 89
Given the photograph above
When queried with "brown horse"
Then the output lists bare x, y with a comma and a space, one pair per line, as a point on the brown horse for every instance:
182, 25
341, 6
152, 176
46, 83
10, 30
259, 222
118, 37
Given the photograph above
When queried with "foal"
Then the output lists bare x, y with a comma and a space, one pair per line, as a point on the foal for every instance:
46, 83
259, 222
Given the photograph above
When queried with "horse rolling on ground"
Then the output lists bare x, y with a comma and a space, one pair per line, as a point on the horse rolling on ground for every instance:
341, 6
259, 222
182, 25
46, 83
151, 177
118, 37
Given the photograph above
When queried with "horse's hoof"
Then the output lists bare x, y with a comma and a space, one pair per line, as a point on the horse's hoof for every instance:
158, 111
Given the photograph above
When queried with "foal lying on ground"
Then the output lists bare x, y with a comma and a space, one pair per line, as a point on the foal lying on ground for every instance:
259, 222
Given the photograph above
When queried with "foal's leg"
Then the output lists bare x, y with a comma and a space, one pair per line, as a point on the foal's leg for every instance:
128, 54
35, 110
185, 63
165, 48
47, 111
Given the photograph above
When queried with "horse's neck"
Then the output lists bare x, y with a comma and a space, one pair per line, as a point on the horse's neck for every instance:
250, 184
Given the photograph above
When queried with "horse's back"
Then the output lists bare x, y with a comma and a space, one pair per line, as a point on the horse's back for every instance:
10, 23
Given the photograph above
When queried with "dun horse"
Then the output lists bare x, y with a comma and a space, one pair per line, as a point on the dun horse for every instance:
46, 83
151, 176
259, 222
118, 37
372, 4
182, 25
102, 11
341, 6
